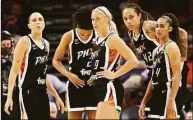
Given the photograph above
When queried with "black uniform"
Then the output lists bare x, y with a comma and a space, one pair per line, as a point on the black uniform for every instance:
106, 90
32, 81
162, 82
80, 64
145, 47
5, 70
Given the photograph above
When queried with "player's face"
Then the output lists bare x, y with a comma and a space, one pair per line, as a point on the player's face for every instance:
162, 28
84, 34
99, 21
131, 18
36, 22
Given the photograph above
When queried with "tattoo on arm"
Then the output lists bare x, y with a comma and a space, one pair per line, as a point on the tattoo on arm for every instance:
182, 44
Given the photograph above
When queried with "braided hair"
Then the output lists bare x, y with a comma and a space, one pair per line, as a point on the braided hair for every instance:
174, 34
144, 15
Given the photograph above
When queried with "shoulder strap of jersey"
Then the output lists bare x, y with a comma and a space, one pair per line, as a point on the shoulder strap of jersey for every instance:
167, 44
74, 33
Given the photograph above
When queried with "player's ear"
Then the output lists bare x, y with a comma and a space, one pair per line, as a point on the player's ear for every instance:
29, 26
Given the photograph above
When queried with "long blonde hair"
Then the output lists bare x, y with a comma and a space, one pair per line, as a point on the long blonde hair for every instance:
106, 12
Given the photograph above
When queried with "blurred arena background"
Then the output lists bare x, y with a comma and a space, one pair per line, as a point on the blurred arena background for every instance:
58, 19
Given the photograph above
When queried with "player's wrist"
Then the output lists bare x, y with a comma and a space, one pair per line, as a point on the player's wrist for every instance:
68, 75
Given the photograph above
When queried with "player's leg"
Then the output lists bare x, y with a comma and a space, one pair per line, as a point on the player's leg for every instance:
106, 111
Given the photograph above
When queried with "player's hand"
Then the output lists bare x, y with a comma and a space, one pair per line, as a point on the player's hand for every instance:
76, 81
90, 81
60, 105
105, 74
141, 111
8, 106
170, 112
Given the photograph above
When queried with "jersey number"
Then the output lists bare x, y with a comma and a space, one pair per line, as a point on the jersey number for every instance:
96, 64
148, 56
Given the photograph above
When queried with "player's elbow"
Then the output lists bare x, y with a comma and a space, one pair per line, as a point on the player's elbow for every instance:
55, 62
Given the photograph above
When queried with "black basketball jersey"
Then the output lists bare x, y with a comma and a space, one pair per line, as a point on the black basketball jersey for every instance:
79, 55
161, 65
101, 57
34, 66
145, 47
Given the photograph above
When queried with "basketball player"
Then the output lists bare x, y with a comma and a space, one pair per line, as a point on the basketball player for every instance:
30, 62
182, 44
165, 83
143, 33
142, 28
109, 90
78, 42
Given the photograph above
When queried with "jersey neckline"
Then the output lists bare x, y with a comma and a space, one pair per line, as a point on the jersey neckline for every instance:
84, 42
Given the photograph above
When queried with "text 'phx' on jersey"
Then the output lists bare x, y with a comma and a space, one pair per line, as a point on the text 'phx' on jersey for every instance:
40, 60
83, 53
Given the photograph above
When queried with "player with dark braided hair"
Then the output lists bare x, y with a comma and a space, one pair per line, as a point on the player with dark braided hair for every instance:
141, 29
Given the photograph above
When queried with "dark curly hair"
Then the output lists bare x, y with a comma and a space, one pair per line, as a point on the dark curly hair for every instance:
174, 34
82, 18
144, 15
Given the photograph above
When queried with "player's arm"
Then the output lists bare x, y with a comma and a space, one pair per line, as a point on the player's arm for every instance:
183, 44
52, 91
173, 53
116, 43
60, 52
148, 94
19, 52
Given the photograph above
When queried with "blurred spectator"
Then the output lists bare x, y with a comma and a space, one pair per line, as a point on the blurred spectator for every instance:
12, 27
21, 11
133, 83
16, 10
190, 39
6, 63
6, 8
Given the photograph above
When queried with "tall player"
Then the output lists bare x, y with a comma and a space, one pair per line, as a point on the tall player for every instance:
30, 62
144, 38
108, 88
142, 26
79, 43
165, 83
142, 31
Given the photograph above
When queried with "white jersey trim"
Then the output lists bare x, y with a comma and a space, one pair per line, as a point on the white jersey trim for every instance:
106, 56
21, 78
70, 48
110, 86
78, 108
85, 42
